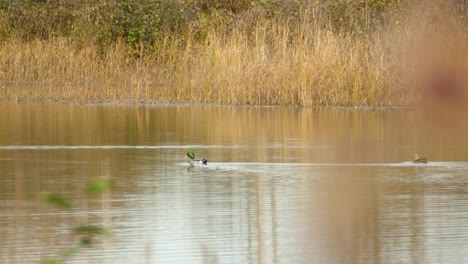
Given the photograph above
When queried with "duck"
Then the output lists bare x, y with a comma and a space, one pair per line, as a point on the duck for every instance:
417, 159
191, 156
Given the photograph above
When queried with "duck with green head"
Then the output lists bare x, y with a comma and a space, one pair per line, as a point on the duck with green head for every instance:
191, 156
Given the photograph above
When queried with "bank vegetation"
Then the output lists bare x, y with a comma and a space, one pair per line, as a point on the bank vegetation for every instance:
245, 52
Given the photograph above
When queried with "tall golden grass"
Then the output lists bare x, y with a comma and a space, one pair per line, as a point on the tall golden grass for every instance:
273, 63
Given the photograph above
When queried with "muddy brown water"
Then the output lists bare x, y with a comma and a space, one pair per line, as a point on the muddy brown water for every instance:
282, 185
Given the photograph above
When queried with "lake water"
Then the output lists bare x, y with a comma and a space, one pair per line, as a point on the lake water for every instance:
282, 185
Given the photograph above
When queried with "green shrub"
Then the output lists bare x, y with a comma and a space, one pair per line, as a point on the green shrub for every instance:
143, 24
31, 19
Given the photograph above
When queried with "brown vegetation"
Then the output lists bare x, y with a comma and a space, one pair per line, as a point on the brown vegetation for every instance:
247, 57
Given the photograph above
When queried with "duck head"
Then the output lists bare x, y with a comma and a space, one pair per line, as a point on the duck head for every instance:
191, 155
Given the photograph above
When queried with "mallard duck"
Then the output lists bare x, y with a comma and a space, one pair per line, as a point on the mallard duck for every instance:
417, 159
191, 156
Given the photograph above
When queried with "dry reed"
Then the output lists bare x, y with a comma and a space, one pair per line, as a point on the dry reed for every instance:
271, 64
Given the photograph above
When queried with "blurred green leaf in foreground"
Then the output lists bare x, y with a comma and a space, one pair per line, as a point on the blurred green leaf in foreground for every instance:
55, 199
98, 186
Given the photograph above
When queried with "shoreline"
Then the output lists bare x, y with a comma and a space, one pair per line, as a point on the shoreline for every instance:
197, 104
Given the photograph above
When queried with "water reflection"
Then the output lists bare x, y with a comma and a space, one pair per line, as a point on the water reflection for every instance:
282, 185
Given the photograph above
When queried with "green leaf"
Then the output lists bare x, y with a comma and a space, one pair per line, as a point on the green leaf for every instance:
191, 155
91, 230
72, 251
97, 186
86, 241
55, 199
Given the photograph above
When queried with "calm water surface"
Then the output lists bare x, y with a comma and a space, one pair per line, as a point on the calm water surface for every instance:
283, 185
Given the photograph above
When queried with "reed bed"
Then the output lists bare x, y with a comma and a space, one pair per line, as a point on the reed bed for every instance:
319, 68
271, 63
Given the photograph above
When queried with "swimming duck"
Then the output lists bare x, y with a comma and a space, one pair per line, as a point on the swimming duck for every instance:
191, 156
417, 159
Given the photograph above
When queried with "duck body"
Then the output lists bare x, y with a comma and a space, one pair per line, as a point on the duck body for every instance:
202, 161
420, 160
192, 159
417, 159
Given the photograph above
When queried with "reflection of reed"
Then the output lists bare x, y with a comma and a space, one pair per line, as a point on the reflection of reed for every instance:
310, 135
342, 213
260, 212
307, 134
105, 202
